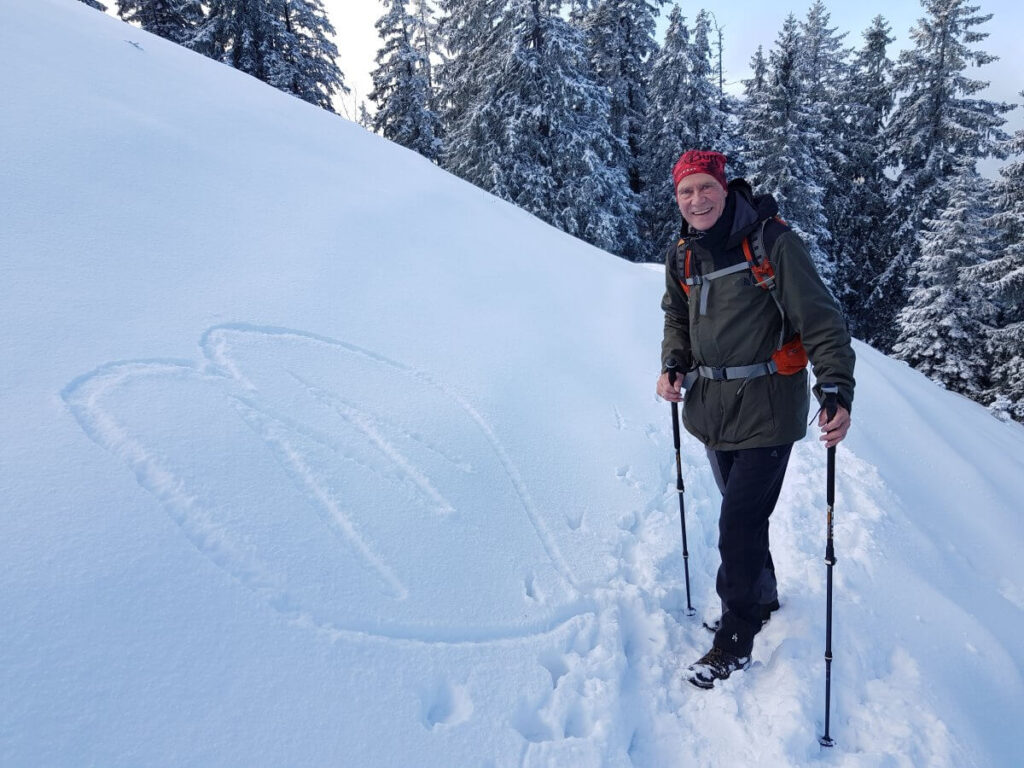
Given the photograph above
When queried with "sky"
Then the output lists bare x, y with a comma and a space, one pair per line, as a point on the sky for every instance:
745, 25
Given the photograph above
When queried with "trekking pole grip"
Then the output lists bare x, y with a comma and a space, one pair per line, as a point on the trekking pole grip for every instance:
831, 406
672, 369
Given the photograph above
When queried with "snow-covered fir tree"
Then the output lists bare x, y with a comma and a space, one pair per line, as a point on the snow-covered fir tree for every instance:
758, 83
240, 33
1003, 278
712, 122
938, 120
620, 38
707, 51
860, 244
825, 73
943, 326
174, 20
756, 87
755, 90
285, 43
401, 84
779, 136
472, 130
306, 66
424, 40
556, 143
532, 126
667, 134
95, 4
684, 112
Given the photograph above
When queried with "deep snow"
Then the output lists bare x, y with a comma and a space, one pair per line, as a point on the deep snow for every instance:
316, 455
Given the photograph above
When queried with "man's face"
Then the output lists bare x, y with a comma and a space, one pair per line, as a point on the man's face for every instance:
701, 200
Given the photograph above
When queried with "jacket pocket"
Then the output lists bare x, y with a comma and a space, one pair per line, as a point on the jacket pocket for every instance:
695, 411
748, 410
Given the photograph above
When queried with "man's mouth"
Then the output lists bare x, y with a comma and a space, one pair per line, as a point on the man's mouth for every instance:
703, 211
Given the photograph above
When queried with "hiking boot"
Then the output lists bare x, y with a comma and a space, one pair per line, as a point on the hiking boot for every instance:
716, 664
766, 613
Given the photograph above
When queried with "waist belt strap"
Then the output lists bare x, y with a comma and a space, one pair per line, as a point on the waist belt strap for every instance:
738, 371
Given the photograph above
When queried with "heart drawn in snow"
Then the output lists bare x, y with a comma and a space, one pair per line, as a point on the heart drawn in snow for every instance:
351, 491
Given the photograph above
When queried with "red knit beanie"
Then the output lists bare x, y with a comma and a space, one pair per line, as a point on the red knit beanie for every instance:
696, 161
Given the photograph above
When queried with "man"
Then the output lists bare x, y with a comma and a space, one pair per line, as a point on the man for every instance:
744, 311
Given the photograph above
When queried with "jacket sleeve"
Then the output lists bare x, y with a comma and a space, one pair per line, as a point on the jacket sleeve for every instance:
675, 342
815, 314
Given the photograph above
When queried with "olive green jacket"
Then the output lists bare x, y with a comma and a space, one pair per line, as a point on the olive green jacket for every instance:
741, 326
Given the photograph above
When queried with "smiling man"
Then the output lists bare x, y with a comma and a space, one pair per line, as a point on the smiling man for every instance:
745, 310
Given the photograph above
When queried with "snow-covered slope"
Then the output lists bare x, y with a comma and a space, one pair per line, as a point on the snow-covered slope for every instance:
315, 455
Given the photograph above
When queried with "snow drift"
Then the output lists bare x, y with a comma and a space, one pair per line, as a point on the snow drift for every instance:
315, 455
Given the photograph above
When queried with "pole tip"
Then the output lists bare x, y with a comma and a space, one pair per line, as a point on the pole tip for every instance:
691, 611
825, 741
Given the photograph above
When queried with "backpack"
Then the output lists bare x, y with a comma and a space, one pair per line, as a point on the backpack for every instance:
789, 357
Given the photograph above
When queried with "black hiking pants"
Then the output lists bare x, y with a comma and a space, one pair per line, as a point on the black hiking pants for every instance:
750, 481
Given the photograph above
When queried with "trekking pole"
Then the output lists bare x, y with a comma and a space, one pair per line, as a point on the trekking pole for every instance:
673, 370
830, 391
